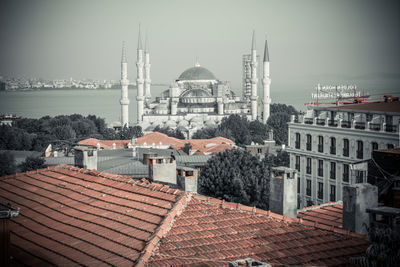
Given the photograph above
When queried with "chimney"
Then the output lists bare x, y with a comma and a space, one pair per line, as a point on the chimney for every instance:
187, 178
86, 157
6, 212
357, 199
162, 169
283, 191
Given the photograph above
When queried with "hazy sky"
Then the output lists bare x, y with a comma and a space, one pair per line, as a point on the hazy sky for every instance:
310, 41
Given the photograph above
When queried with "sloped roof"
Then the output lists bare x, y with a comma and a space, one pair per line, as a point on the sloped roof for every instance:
70, 215
211, 232
156, 138
107, 144
330, 214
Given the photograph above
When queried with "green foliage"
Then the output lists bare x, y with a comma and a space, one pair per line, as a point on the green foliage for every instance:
236, 176
130, 132
205, 133
32, 163
186, 148
277, 121
7, 164
384, 249
170, 132
281, 159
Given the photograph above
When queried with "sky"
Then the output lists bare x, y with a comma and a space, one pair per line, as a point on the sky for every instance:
310, 41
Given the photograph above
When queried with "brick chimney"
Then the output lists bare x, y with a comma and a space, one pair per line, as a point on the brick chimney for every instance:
283, 191
357, 199
86, 157
6, 212
187, 178
162, 169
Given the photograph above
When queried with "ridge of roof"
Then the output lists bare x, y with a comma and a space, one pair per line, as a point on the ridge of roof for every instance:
314, 207
253, 210
163, 229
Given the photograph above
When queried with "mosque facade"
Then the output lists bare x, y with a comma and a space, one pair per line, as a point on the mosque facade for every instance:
197, 98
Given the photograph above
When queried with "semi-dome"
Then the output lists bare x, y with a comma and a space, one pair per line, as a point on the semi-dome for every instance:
197, 73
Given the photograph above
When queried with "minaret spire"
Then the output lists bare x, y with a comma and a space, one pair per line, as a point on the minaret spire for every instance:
266, 81
254, 80
147, 65
124, 89
139, 80
197, 64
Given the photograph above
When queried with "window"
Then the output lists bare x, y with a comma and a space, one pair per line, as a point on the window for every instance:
360, 149
308, 169
297, 143
309, 142
298, 184
259, 150
390, 146
333, 146
320, 190
332, 195
297, 163
346, 147
308, 189
320, 144
374, 146
346, 173
333, 170
320, 167
359, 176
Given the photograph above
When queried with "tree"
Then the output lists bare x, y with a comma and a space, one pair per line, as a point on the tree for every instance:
281, 159
170, 132
130, 132
32, 163
236, 176
186, 148
7, 164
277, 121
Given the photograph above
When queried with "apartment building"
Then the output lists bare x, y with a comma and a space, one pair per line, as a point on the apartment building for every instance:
330, 146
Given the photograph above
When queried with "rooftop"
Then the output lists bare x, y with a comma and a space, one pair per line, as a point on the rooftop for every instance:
391, 107
106, 144
71, 216
329, 214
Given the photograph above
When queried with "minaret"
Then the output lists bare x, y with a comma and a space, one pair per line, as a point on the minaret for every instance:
254, 79
266, 81
139, 80
147, 80
124, 89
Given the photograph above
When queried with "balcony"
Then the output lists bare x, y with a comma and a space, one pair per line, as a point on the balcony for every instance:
332, 175
320, 172
308, 170
320, 195
375, 126
308, 192
308, 120
332, 197
308, 146
321, 148
345, 152
360, 154
333, 123
359, 125
390, 128
333, 150
320, 121
345, 124
297, 145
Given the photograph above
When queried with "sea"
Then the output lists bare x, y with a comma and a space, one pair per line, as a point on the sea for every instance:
104, 103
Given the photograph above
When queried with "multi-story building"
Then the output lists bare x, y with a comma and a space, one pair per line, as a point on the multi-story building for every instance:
330, 146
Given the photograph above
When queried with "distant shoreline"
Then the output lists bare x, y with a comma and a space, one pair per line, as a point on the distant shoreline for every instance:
73, 88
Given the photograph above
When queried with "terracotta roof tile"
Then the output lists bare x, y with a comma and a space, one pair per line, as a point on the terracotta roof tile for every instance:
107, 144
329, 214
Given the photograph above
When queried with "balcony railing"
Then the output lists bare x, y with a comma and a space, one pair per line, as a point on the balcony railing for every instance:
390, 128
308, 146
320, 148
308, 120
360, 154
332, 175
359, 125
308, 192
320, 172
345, 152
346, 177
333, 123
321, 121
297, 144
332, 197
333, 150
320, 195
345, 124
375, 126
308, 170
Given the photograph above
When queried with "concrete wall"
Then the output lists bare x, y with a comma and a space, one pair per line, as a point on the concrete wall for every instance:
164, 171
276, 195
356, 199
86, 158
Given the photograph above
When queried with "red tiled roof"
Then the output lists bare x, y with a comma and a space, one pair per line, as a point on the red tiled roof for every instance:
108, 144
157, 137
70, 216
374, 106
328, 214
211, 232
391, 151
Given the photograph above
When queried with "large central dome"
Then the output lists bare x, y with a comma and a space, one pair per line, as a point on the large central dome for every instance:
197, 73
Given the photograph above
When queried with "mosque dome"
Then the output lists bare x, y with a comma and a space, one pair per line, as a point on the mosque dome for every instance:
197, 73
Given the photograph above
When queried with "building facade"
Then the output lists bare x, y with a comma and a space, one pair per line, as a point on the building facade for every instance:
197, 98
330, 146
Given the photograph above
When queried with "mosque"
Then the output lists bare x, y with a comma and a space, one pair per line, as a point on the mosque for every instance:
197, 98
